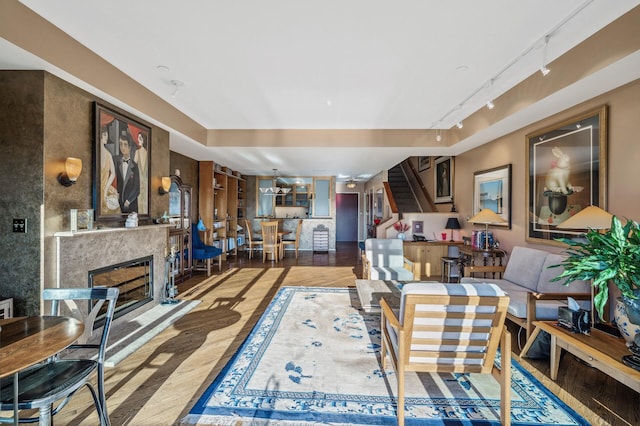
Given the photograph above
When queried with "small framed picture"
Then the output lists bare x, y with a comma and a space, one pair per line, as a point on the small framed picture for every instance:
424, 163
443, 180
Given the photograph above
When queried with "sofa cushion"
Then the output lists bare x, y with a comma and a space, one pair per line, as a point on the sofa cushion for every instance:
388, 273
545, 310
524, 267
545, 285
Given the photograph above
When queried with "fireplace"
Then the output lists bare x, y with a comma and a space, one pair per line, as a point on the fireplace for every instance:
134, 278
137, 254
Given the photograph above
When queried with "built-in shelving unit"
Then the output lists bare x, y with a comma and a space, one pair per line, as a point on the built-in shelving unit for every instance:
222, 202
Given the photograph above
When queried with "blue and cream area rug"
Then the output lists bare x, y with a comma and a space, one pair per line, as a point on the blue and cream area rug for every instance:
314, 359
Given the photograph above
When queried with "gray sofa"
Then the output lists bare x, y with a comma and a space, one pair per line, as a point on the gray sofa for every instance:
527, 281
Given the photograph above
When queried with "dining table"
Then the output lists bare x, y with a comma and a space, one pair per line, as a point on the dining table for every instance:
26, 341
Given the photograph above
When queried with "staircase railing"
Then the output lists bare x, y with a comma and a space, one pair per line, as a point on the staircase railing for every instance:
422, 195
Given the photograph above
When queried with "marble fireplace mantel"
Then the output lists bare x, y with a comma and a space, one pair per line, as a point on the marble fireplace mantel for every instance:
77, 253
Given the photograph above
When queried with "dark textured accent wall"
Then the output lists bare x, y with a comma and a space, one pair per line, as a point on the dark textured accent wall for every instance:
21, 171
43, 120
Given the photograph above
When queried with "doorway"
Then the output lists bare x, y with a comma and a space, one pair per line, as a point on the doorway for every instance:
347, 217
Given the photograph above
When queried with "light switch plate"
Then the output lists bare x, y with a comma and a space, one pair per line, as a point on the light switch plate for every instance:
20, 225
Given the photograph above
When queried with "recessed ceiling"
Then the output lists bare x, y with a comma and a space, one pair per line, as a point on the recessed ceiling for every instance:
357, 64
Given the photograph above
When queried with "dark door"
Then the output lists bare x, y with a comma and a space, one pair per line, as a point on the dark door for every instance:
346, 217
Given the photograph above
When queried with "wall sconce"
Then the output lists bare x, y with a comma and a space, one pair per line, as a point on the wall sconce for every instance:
165, 186
72, 170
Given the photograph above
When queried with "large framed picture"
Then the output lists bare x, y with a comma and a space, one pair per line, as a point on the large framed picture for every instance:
122, 156
492, 190
566, 169
443, 179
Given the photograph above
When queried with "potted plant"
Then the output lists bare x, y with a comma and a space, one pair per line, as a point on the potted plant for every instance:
613, 256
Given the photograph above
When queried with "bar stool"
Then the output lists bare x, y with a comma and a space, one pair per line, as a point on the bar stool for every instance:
447, 264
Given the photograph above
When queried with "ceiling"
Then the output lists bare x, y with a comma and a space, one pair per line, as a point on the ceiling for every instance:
286, 65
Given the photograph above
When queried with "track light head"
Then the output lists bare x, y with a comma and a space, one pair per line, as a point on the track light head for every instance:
459, 125
544, 70
490, 104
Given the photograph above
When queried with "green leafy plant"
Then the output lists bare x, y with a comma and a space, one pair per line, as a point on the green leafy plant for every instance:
610, 256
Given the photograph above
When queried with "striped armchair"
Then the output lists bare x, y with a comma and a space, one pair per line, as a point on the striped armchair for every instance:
448, 328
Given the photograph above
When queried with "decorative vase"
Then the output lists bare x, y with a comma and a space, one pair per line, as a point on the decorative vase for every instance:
626, 327
402, 236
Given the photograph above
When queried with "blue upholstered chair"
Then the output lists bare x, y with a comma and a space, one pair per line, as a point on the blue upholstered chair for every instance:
202, 253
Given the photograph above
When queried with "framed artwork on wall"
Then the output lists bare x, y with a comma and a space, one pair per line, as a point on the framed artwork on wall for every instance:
122, 156
566, 170
443, 179
424, 163
492, 190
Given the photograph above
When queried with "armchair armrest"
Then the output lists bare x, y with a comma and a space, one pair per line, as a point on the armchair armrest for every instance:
414, 267
366, 267
388, 313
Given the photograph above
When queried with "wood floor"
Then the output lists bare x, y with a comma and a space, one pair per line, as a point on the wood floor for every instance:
161, 382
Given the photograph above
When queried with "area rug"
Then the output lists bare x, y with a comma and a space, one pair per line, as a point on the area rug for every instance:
313, 358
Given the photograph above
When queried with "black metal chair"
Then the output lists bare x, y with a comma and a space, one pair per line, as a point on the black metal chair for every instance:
41, 386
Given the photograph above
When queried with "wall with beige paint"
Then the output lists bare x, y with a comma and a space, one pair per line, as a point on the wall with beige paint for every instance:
623, 164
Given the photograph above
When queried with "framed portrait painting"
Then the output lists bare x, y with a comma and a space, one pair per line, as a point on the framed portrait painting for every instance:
566, 170
492, 190
122, 156
443, 179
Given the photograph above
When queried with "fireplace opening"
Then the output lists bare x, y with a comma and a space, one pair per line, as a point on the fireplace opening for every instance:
134, 278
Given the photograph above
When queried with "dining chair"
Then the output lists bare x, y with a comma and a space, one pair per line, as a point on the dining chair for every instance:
252, 243
448, 328
270, 240
202, 252
58, 379
295, 242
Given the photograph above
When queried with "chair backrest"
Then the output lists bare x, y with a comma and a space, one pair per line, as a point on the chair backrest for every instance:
269, 233
451, 327
196, 241
384, 252
248, 231
69, 296
298, 231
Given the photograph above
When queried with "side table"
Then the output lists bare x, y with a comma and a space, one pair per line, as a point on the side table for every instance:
598, 349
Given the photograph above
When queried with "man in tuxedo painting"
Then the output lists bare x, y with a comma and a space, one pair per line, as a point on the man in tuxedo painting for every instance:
127, 175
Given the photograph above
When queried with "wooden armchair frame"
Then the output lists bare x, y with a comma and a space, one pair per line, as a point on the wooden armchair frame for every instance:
455, 333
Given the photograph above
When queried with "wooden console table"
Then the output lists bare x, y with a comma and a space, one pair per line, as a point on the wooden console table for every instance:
598, 349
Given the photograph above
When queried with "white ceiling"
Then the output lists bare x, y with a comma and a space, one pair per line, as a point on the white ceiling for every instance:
356, 64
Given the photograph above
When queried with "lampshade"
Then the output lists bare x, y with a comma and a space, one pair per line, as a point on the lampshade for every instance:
487, 216
72, 170
591, 217
452, 223
165, 185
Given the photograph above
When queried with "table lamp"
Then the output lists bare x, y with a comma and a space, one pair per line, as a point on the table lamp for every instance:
452, 223
591, 217
487, 217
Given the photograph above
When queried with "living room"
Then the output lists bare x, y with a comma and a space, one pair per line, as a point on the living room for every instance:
46, 119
